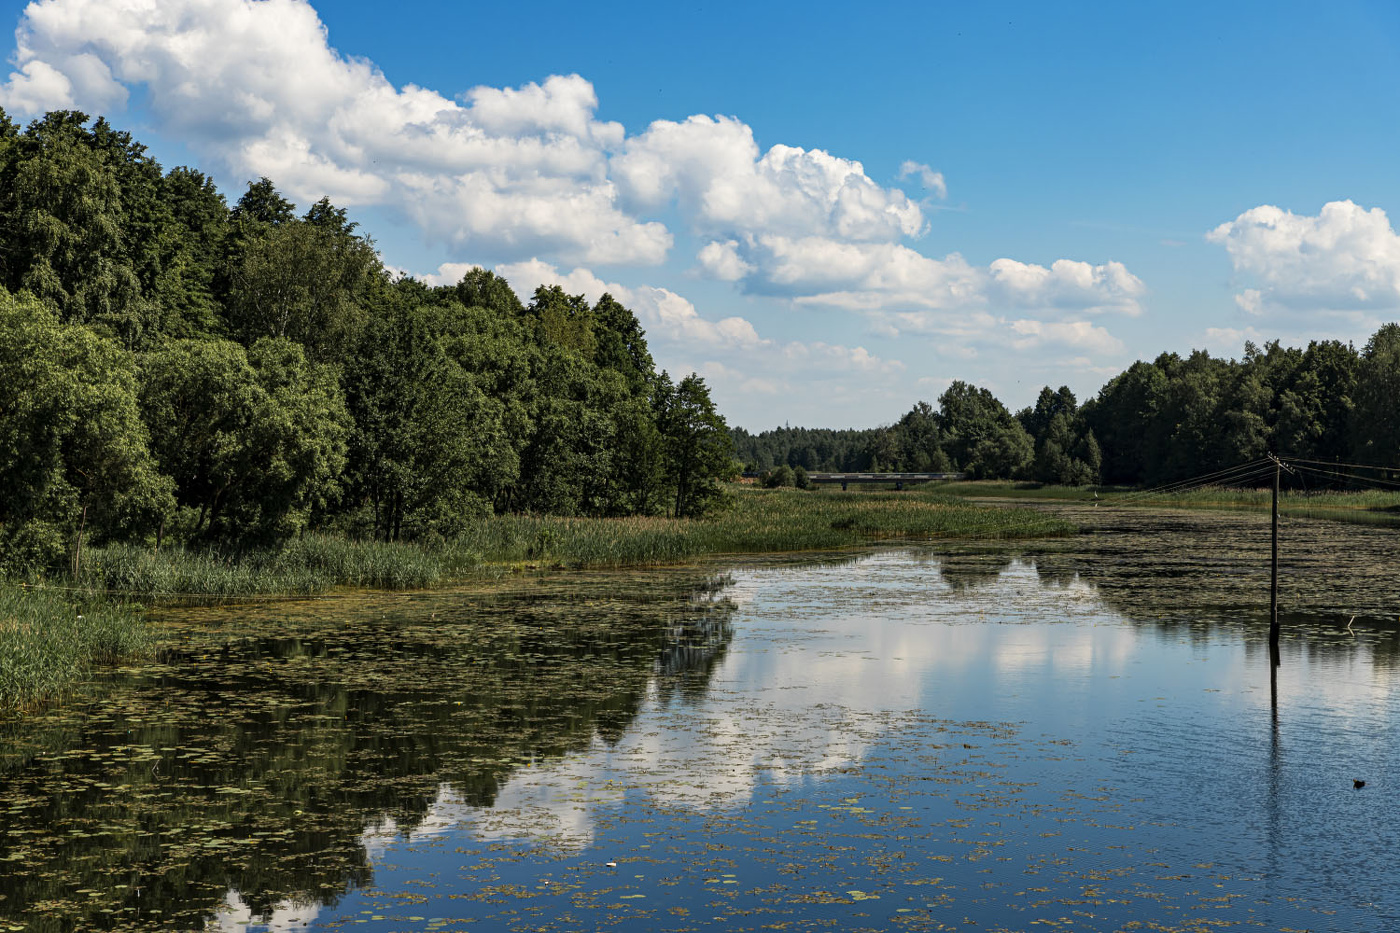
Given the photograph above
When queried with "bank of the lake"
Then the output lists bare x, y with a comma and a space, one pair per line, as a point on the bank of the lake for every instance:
87, 609
1367, 506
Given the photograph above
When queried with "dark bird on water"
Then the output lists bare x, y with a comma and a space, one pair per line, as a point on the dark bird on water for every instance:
1358, 784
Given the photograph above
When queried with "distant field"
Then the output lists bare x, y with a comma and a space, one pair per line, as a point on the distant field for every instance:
1369, 506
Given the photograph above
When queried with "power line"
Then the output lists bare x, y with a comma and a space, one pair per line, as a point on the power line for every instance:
1355, 466
1220, 477
1379, 484
1201, 480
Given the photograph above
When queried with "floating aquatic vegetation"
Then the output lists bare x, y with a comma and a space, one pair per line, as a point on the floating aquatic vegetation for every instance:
894, 741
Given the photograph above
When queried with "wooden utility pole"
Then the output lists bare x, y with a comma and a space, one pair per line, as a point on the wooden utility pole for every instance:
1273, 568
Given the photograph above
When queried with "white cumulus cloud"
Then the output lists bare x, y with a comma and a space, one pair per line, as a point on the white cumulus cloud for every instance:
529, 177
1345, 258
892, 278
931, 180
256, 86
714, 168
1077, 334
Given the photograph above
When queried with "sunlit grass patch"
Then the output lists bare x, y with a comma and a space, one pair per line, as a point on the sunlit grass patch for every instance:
310, 564
49, 643
758, 521
1367, 505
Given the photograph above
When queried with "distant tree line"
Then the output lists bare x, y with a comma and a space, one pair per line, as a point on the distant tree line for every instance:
1173, 418
172, 368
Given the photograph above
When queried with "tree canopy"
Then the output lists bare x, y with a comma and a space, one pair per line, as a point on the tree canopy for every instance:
174, 367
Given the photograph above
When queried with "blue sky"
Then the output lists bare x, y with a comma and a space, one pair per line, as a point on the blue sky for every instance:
828, 212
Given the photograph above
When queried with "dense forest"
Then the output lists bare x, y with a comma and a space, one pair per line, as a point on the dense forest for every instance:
173, 369
1170, 419
176, 369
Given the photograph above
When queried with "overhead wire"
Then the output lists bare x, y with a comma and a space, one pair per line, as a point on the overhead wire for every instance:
1204, 479
1379, 484
1252, 470
1338, 463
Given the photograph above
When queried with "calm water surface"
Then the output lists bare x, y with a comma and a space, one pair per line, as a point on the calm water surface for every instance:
897, 741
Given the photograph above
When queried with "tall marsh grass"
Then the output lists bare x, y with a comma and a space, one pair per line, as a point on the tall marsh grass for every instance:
312, 564
50, 638
49, 643
761, 521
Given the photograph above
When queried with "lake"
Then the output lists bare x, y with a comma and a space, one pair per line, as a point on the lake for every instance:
1082, 734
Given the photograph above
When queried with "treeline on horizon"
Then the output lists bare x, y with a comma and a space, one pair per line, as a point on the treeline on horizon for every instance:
173, 369
1156, 422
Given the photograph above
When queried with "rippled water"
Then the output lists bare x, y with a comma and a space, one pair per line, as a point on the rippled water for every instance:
902, 740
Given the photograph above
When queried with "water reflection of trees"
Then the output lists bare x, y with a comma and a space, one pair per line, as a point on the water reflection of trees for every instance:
1193, 570
254, 763
966, 570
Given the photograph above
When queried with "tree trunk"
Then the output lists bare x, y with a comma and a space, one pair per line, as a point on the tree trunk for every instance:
78, 548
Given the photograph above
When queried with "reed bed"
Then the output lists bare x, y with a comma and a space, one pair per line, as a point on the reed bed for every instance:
51, 636
761, 521
1012, 489
310, 564
49, 643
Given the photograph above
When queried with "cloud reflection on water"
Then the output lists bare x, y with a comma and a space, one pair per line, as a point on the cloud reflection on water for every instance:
822, 655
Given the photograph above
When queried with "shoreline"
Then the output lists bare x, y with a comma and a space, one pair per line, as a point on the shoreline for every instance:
118, 583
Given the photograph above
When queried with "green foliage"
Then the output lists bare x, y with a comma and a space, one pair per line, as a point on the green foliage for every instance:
61, 203
1376, 423
621, 346
306, 280
982, 437
255, 440
74, 462
49, 643
779, 477
480, 288
821, 449
697, 448
428, 450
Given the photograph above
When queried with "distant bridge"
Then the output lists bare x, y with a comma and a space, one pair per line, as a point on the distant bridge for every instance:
898, 479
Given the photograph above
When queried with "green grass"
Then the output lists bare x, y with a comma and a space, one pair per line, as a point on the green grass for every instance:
761, 521
1363, 506
49, 642
51, 638
311, 564
1010, 489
